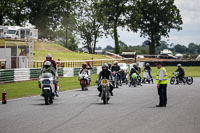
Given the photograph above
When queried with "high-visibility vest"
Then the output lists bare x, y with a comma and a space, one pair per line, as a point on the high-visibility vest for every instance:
164, 81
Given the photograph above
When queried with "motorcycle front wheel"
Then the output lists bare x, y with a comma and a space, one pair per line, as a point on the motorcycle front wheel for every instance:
172, 80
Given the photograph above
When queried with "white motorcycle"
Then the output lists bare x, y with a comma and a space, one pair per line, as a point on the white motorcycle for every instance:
146, 77
47, 85
84, 81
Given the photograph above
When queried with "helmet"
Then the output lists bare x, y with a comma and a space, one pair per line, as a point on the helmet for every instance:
134, 64
47, 65
115, 63
84, 65
147, 64
48, 57
105, 66
179, 65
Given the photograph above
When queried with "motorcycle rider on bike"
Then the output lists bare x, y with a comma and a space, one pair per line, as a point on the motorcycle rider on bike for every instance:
134, 69
181, 73
105, 74
85, 70
116, 68
148, 68
51, 64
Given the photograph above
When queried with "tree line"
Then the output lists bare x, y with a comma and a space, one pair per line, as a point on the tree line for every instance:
69, 20
191, 49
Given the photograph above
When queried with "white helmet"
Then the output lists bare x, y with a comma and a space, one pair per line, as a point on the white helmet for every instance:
47, 64
179, 65
147, 64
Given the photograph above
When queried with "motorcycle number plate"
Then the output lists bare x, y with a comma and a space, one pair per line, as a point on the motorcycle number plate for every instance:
104, 81
46, 88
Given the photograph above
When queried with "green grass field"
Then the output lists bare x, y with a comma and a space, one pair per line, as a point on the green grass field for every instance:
60, 52
30, 88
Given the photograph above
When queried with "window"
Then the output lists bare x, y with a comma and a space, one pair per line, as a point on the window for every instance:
11, 31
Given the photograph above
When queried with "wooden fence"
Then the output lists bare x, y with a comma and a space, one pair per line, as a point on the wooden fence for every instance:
70, 64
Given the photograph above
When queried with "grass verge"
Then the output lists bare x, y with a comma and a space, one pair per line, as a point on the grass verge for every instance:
189, 71
30, 88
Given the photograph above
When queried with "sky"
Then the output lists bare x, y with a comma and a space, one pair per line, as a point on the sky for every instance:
190, 12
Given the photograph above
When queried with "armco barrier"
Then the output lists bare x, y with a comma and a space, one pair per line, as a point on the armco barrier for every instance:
24, 74
76, 71
35, 73
7, 75
68, 72
60, 72
21, 74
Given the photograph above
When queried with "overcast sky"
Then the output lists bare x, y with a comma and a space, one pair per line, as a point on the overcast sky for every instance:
190, 12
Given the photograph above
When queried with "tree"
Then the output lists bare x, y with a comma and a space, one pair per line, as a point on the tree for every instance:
192, 48
158, 18
114, 12
13, 12
47, 15
108, 47
89, 25
180, 48
162, 45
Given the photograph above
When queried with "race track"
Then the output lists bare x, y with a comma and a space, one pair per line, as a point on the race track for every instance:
131, 110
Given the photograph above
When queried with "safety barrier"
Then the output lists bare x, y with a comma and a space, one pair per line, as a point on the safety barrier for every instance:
6, 75
76, 64
21, 74
24, 74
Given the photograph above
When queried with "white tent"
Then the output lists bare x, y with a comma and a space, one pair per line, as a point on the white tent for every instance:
198, 58
179, 56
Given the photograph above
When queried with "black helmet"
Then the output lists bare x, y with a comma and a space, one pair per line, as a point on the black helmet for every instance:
105, 66
84, 65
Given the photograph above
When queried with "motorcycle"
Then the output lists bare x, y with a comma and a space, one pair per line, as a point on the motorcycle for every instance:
105, 86
47, 85
146, 77
117, 81
188, 80
84, 81
135, 80
124, 76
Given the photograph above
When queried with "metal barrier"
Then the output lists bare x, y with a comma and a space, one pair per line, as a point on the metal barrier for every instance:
7, 75
75, 64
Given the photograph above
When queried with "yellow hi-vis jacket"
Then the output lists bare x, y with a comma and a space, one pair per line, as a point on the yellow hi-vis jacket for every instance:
164, 81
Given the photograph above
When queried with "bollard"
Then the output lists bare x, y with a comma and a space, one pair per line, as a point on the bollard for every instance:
4, 100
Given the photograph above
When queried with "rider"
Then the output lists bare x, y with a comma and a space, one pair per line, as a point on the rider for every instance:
148, 68
49, 58
116, 68
134, 69
53, 71
85, 70
105, 74
181, 73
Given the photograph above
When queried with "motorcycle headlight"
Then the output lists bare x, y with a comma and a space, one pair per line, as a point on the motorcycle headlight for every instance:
46, 82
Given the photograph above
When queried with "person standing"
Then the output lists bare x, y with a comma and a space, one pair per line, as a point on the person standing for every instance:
161, 81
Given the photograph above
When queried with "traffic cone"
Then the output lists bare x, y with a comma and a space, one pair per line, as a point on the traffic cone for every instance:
4, 100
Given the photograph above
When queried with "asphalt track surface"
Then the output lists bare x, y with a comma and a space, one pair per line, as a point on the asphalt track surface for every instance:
131, 110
